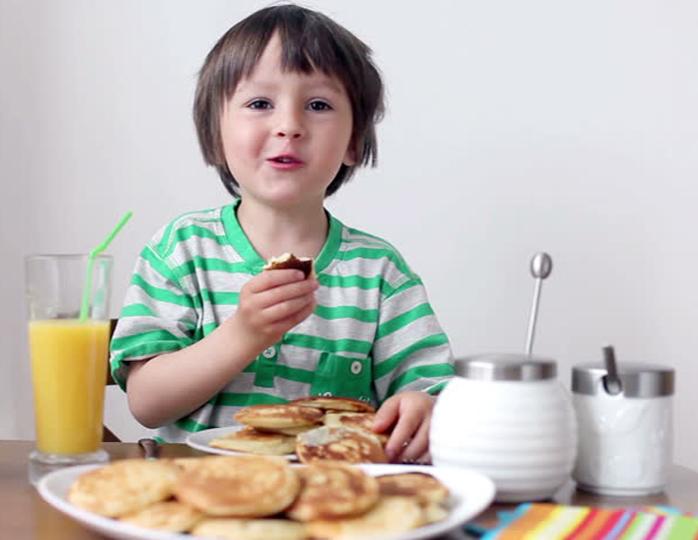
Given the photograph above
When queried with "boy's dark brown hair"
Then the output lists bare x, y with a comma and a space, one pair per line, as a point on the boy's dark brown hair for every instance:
310, 41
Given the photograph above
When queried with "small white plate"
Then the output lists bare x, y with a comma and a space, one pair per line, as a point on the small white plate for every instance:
471, 493
201, 441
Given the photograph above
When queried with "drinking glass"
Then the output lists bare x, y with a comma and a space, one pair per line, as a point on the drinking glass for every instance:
68, 357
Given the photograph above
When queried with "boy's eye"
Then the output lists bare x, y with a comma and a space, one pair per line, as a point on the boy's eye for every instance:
319, 105
259, 104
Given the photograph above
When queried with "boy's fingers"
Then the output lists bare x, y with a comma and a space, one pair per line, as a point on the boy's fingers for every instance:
268, 280
386, 415
419, 444
278, 313
403, 432
285, 292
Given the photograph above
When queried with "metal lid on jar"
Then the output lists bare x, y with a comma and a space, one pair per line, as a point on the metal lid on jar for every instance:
506, 367
638, 380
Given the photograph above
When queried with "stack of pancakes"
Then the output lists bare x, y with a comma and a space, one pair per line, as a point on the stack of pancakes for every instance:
259, 498
315, 428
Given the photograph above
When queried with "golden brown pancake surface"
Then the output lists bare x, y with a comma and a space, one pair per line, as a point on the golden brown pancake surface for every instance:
357, 420
239, 486
281, 416
171, 516
123, 486
331, 403
333, 490
424, 486
339, 444
254, 441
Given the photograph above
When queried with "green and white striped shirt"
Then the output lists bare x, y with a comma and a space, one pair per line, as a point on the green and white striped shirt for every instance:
373, 332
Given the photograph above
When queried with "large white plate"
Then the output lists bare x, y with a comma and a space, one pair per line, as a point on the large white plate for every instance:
202, 439
471, 492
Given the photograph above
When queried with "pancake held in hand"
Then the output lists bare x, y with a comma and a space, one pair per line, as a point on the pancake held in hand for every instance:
333, 490
256, 442
354, 420
123, 486
239, 486
169, 516
289, 260
423, 486
251, 529
339, 444
329, 403
391, 515
276, 417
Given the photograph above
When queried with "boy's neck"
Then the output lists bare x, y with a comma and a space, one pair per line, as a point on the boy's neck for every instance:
273, 231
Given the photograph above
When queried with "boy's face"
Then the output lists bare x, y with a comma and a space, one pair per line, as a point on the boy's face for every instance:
286, 134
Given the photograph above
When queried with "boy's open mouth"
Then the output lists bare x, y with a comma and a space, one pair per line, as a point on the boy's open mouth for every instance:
286, 159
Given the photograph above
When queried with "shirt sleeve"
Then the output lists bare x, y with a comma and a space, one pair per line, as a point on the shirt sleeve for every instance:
158, 315
410, 351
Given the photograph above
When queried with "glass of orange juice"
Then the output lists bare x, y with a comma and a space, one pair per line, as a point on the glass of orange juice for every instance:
68, 358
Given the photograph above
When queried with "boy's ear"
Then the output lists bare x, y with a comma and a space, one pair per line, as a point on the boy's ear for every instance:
350, 157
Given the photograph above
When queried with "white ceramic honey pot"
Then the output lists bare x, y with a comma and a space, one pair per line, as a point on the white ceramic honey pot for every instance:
508, 417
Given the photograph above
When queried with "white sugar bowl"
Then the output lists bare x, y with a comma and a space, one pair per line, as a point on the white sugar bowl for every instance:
508, 417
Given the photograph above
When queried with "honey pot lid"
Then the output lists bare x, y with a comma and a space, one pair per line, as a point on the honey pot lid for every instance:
506, 367
637, 379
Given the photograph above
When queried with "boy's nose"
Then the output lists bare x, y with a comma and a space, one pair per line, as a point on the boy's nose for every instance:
289, 126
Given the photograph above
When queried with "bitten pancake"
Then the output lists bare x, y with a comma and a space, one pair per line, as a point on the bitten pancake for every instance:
391, 515
282, 416
355, 420
169, 516
123, 486
414, 484
289, 260
332, 490
251, 529
256, 442
239, 486
328, 403
339, 444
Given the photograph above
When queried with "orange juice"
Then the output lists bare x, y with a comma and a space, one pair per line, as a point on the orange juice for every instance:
69, 363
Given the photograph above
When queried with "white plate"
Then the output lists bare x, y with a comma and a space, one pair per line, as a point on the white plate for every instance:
471, 492
202, 439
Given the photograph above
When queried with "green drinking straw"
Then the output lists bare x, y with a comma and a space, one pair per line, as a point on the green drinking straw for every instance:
86, 291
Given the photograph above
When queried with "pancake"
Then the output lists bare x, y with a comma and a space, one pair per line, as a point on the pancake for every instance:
289, 260
355, 420
256, 442
390, 516
423, 486
123, 486
339, 444
332, 490
171, 516
275, 417
251, 529
239, 486
329, 403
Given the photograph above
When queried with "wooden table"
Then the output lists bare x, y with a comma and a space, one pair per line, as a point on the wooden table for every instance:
24, 515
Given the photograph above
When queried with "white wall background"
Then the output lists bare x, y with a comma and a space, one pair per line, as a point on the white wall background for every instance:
513, 127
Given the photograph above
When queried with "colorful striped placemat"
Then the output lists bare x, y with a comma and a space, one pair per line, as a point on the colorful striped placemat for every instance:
531, 521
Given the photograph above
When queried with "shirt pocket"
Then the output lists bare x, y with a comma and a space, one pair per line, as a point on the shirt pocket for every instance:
342, 376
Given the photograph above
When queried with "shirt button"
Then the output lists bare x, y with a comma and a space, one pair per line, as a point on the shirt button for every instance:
269, 353
356, 367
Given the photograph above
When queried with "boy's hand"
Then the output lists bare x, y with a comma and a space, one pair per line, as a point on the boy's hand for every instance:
272, 303
410, 438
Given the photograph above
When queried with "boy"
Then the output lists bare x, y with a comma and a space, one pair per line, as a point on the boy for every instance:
285, 109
